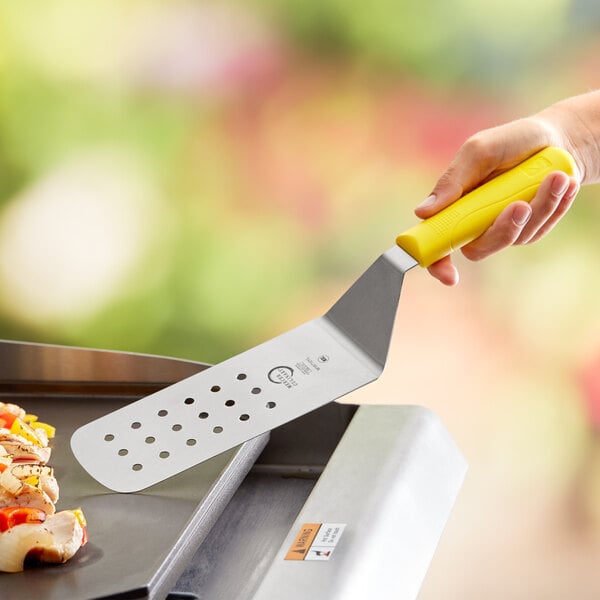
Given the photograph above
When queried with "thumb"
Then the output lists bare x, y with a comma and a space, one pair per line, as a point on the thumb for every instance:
447, 190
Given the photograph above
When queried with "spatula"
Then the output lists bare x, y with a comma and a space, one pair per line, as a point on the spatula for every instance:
251, 393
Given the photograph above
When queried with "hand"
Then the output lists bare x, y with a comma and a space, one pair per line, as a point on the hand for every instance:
483, 157
519, 223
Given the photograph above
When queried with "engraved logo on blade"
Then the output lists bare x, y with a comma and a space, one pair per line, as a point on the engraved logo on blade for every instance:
283, 375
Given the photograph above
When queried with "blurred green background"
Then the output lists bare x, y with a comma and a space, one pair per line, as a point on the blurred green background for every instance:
198, 166
190, 178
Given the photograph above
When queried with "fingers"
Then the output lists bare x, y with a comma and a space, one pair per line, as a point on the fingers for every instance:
522, 223
554, 204
464, 172
481, 158
504, 232
544, 205
445, 271
452, 185
484, 156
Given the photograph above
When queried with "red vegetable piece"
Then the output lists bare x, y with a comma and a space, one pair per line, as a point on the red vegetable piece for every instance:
7, 418
17, 515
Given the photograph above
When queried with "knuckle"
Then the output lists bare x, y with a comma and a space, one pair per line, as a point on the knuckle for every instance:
474, 252
478, 148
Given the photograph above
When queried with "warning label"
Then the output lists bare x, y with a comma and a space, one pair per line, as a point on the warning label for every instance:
315, 541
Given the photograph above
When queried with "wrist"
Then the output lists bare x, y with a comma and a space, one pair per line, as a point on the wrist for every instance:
575, 126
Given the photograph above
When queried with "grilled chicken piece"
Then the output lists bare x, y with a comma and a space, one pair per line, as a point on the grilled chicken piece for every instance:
14, 492
29, 497
8, 437
22, 450
41, 434
54, 541
40, 476
26, 481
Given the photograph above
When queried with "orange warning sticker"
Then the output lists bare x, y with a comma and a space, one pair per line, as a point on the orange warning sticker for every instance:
303, 541
315, 541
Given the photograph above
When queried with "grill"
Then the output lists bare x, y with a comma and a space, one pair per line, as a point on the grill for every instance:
223, 529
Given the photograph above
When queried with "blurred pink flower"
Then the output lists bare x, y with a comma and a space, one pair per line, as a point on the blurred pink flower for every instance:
415, 121
304, 144
204, 49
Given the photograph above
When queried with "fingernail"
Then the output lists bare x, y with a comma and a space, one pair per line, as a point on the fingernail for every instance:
559, 186
521, 215
572, 193
429, 201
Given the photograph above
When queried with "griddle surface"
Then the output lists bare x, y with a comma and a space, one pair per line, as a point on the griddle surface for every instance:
138, 543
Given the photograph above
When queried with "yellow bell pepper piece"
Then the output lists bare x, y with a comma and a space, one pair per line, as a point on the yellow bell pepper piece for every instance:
80, 516
21, 428
32, 421
49, 429
33, 480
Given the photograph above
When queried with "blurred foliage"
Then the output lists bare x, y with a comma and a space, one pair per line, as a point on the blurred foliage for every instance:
281, 145
462, 40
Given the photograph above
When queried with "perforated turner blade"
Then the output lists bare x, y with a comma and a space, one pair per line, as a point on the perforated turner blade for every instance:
219, 408
195, 419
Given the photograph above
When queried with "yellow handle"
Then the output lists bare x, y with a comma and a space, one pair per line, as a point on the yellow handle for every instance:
467, 218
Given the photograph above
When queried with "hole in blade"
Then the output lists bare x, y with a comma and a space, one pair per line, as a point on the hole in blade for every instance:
244, 417
123, 452
203, 415
191, 442
230, 403
188, 401
164, 454
109, 437
136, 425
150, 440
137, 467
270, 405
217, 429
163, 412
255, 390
215, 388
176, 427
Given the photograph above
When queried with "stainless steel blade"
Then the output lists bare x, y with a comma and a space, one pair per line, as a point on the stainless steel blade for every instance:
197, 418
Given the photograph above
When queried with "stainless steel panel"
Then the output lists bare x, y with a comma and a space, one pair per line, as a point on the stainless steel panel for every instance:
235, 555
393, 480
